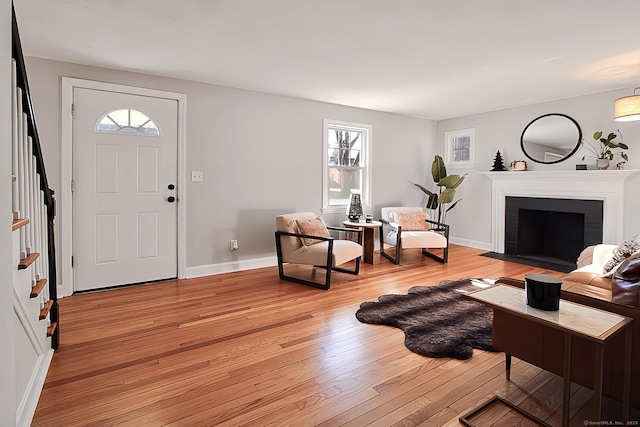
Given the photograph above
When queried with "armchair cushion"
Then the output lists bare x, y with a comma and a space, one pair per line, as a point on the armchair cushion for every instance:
387, 212
411, 221
287, 224
417, 239
313, 227
316, 254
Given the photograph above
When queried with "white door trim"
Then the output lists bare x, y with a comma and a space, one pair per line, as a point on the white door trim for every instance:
64, 196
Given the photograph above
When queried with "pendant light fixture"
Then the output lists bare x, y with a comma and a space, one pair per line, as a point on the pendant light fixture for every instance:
627, 109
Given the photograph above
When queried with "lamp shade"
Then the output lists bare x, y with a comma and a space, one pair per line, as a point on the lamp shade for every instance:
627, 109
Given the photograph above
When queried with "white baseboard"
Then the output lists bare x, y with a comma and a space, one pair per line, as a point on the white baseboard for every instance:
27, 406
471, 243
248, 264
228, 267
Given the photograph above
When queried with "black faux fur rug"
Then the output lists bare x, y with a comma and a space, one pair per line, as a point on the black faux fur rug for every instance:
438, 320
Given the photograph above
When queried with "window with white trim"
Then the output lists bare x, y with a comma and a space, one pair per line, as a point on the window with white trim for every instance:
459, 147
347, 159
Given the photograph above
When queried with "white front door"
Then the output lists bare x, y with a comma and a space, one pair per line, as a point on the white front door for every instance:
124, 188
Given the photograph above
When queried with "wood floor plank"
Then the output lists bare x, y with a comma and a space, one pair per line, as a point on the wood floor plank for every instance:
246, 348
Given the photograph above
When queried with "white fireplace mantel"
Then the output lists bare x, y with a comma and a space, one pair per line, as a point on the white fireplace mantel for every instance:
610, 186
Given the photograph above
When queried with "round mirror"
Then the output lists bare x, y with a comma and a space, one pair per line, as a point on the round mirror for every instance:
551, 138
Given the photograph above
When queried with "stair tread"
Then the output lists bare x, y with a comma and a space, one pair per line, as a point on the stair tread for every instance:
25, 263
20, 222
51, 329
45, 310
35, 291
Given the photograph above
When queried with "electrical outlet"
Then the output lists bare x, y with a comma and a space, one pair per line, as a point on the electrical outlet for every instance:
197, 176
234, 245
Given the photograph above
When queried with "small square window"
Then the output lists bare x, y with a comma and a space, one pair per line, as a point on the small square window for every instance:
459, 148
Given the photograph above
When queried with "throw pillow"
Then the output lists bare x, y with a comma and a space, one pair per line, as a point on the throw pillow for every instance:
585, 256
621, 253
411, 221
312, 227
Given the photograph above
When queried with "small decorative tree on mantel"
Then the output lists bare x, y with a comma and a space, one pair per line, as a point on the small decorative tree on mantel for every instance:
498, 163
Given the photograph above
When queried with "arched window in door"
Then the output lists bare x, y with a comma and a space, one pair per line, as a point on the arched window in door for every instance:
128, 121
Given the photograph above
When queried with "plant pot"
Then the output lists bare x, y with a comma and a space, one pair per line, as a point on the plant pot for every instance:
602, 163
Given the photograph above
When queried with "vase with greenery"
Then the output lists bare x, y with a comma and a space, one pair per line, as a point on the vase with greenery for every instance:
604, 149
441, 201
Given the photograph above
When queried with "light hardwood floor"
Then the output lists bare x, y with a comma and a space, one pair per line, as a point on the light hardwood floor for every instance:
248, 349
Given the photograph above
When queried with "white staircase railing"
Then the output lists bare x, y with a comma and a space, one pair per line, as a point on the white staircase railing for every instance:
32, 199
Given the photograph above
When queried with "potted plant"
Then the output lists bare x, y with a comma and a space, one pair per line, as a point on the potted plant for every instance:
446, 193
604, 149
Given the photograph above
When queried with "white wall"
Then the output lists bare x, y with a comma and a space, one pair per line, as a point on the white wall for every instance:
501, 130
261, 155
7, 349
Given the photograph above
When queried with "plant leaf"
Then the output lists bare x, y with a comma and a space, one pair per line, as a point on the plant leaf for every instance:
451, 181
424, 190
432, 201
447, 196
438, 169
453, 205
597, 135
459, 181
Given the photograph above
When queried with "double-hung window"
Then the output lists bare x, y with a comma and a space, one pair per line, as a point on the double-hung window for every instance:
347, 170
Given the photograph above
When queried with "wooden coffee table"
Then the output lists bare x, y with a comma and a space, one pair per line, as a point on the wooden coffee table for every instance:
572, 319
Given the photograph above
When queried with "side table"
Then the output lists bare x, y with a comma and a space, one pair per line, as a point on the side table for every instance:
573, 320
368, 238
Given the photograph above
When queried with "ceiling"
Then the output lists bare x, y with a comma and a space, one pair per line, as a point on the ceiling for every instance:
433, 59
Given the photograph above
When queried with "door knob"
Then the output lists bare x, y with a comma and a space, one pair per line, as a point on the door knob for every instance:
171, 199
171, 186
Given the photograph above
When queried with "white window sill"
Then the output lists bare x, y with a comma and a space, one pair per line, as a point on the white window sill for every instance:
461, 165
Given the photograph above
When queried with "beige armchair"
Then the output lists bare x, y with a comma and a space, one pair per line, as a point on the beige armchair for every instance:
302, 238
410, 227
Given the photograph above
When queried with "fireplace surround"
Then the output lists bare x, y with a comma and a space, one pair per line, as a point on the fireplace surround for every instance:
616, 189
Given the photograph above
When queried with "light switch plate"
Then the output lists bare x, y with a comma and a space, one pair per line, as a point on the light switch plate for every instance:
196, 176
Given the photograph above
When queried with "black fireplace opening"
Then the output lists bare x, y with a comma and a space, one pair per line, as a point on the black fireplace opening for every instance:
549, 232
556, 235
